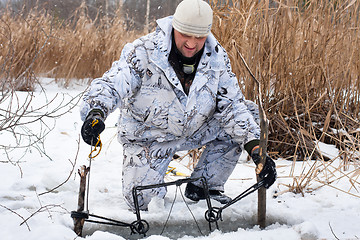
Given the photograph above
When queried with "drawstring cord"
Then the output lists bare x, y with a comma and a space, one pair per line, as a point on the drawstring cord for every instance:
98, 144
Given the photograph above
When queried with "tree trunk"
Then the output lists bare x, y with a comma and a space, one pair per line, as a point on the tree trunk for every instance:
264, 127
263, 145
147, 16
79, 222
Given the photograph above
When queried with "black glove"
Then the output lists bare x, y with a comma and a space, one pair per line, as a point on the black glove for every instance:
268, 173
92, 127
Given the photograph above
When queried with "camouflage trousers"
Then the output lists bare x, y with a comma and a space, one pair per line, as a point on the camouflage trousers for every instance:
146, 164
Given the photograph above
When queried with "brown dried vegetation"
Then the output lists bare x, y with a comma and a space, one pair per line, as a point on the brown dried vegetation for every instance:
38, 44
306, 56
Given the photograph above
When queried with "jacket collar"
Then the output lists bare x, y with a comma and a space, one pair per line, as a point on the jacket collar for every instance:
161, 53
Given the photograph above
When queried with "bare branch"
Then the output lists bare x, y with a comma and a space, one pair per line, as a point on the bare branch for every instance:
17, 215
333, 232
41, 209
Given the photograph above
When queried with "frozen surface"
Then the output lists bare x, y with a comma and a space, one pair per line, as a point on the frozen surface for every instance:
327, 212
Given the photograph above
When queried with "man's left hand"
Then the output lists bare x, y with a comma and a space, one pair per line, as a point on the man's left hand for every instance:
268, 171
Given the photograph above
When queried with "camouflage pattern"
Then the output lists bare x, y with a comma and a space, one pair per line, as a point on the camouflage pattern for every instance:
157, 118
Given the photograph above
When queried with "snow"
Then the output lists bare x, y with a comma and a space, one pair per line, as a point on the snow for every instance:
327, 150
27, 212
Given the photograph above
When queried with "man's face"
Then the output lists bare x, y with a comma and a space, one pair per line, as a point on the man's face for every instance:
188, 45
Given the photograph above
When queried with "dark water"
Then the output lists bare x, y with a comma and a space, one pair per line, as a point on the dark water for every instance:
175, 229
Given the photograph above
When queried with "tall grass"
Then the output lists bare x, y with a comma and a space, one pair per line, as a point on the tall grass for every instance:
38, 44
307, 58
304, 53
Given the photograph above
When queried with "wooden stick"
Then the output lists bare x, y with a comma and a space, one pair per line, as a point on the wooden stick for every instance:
264, 127
79, 222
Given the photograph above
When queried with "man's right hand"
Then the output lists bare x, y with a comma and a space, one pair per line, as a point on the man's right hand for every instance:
92, 127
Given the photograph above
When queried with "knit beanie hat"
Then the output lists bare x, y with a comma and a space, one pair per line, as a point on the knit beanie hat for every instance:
193, 17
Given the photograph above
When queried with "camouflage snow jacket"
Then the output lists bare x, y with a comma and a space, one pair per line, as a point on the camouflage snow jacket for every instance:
153, 105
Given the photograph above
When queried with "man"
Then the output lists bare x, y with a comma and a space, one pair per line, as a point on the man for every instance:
176, 91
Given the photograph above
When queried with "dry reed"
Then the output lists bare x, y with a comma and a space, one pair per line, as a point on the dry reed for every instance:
38, 44
307, 60
306, 56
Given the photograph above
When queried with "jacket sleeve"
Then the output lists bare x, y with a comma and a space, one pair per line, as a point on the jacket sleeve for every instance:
238, 116
116, 85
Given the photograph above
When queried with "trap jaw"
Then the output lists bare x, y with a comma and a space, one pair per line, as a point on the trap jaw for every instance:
136, 189
215, 214
139, 226
81, 215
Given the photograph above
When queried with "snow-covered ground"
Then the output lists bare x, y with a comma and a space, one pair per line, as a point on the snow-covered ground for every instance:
327, 212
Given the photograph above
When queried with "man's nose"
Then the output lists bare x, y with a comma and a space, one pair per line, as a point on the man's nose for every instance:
191, 42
